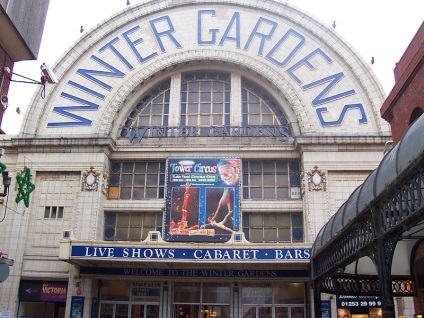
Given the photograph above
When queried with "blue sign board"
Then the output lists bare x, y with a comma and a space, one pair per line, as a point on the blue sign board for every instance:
192, 272
198, 254
325, 309
77, 307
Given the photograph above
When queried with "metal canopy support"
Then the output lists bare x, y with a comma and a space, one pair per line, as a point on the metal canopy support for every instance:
317, 299
383, 254
374, 233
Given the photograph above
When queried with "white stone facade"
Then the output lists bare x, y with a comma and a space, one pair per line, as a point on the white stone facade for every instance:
327, 93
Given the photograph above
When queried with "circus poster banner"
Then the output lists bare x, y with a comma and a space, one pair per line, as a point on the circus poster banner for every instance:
202, 199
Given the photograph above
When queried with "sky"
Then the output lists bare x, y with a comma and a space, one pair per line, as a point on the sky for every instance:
379, 29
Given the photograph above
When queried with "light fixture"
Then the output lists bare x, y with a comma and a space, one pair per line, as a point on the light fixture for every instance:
7, 179
5, 260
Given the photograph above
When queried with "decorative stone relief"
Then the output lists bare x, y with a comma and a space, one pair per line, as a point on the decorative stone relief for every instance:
317, 180
105, 184
90, 180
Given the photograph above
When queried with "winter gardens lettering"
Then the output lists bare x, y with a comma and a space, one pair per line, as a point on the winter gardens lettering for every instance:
283, 52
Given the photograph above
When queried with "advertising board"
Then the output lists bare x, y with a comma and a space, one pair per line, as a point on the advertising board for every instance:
202, 199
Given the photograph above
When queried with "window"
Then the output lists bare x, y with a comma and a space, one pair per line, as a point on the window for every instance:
261, 299
53, 212
259, 108
152, 110
211, 299
273, 227
205, 100
131, 226
270, 180
137, 180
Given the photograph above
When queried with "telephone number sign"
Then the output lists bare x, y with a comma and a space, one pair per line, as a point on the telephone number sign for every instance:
362, 303
349, 301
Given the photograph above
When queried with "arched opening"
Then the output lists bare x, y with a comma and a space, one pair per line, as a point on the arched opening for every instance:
417, 112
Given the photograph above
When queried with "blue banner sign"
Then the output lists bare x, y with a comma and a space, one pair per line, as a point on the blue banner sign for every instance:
193, 273
206, 254
325, 309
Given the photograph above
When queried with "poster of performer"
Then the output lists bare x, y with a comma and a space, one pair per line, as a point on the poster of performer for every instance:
202, 199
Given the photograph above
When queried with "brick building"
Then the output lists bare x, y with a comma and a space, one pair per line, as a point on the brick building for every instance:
402, 107
405, 102
21, 25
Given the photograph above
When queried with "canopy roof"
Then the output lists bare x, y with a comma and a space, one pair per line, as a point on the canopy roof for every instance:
397, 161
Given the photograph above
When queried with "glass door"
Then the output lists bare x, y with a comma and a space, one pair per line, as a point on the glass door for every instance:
281, 312
265, 312
106, 310
144, 311
201, 300
121, 310
137, 311
257, 312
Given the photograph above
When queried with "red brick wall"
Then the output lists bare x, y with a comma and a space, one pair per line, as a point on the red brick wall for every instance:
410, 99
412, 49
404, 103
408, 92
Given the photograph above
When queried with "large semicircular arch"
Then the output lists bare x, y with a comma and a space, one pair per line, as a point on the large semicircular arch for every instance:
362, 74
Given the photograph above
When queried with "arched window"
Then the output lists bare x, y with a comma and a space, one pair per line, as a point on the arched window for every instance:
205, 100
259, 108
416, 113
152, 110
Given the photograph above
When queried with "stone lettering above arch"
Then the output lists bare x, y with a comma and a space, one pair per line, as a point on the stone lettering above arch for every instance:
329, 87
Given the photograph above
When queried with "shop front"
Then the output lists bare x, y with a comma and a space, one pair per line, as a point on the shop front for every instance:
180, 283
202, 299
42, 298
358, 306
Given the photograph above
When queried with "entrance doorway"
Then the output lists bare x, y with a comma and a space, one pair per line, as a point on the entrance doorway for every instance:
123, 299
128, 310
257, 311
41, 309
273, 311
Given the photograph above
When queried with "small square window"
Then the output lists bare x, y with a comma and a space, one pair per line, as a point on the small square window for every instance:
53, 212
47, 212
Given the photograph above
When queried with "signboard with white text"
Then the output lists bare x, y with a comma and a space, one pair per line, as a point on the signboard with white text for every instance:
195, 254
